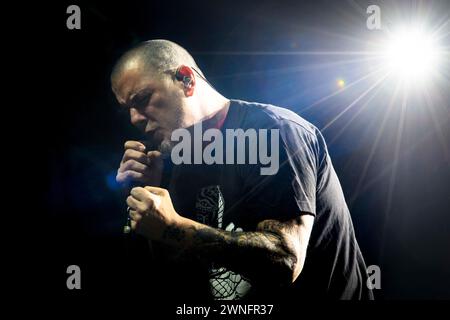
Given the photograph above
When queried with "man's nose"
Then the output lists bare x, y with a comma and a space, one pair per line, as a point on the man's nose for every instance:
137, 119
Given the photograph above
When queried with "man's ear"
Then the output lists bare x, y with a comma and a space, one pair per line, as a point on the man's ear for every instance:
186, 76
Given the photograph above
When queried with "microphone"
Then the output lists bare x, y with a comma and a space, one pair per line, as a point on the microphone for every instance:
127, 226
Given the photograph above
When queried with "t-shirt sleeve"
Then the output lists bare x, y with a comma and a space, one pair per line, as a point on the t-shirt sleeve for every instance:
291, 191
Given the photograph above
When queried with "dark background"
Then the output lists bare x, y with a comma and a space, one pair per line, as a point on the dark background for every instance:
393, 162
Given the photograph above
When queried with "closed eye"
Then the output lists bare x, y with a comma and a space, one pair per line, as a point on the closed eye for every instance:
141, 100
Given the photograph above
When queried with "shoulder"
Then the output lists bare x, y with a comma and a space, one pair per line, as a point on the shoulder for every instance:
299, 137
260, 115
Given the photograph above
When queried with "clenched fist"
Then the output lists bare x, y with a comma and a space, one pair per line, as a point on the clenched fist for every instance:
140, 166
151, 212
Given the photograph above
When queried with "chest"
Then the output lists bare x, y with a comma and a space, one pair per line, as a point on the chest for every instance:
212, 195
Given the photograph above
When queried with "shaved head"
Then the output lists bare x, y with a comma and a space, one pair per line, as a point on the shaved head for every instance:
144, 83
156, 56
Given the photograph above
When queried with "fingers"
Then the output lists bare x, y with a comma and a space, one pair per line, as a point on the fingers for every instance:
153, 197
134, 204
139, 167
143, 196
127, 176
138, 156
134, 145
155, 158
135, 150
154, 154
133, 165
156, 190
134, 216
139, 193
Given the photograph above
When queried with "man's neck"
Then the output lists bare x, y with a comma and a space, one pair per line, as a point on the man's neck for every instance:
215, 108
217, 119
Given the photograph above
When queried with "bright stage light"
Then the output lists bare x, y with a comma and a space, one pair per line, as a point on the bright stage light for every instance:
412, 54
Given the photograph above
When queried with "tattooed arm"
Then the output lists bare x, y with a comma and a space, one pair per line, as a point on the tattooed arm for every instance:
276, 248
275, 251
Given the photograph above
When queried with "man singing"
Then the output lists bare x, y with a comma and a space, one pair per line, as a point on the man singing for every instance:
225, 230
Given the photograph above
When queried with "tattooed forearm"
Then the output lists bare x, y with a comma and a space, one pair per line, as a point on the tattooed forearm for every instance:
174, 234
254, 254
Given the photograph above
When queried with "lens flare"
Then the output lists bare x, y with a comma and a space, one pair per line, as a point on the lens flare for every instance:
412, 54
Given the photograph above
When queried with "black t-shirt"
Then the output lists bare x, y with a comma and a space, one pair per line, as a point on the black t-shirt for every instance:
236, 197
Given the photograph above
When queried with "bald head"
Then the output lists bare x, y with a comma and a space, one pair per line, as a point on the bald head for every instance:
144, 83
156, 56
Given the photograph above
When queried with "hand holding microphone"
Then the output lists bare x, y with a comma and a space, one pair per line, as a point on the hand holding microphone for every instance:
139, 167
